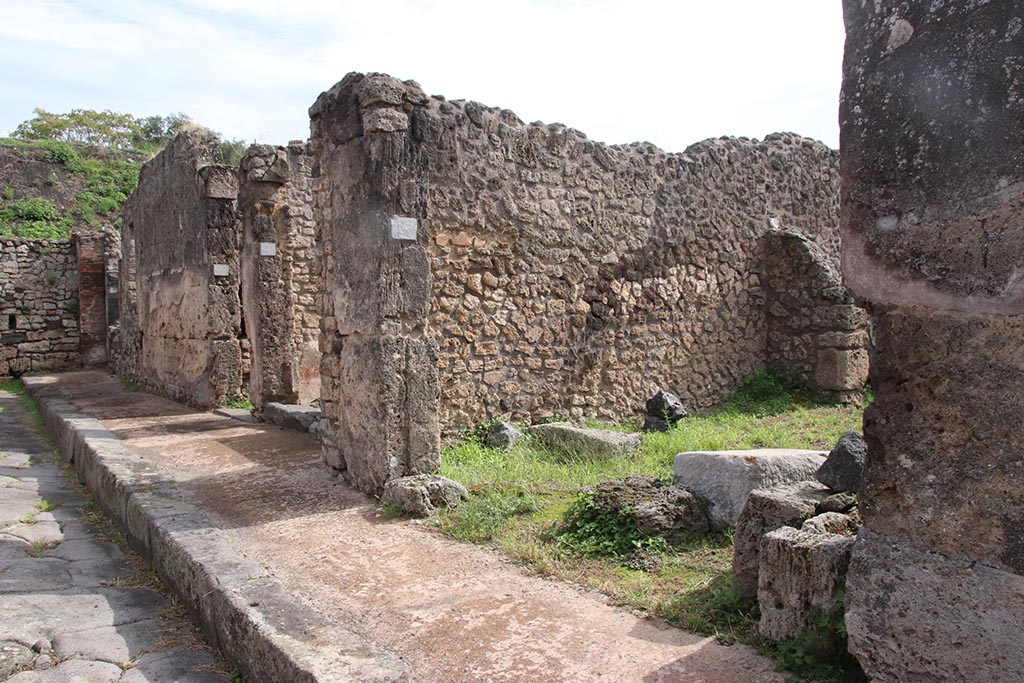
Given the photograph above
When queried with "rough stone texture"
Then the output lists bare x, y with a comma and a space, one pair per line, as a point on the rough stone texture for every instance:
423, 494
725, 478
180, 320
587, 443
556, 274
379, 370
815, 330
91, 260
843, 469
664, 409
656, 509
932, 130
800, 570
281, 274
38, 306
767, 510
503, 435
832, 523
291, 416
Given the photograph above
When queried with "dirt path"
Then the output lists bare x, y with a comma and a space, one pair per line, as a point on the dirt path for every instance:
453, 611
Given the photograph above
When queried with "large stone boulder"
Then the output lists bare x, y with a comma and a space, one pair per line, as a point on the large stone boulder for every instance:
843, 469
656, 509
291, 416
725, 478
767, 510
503, 435
664, 409
423, 494
800, 571
587, 443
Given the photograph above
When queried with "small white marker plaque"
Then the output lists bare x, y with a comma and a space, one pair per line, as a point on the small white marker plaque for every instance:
268, 249
221, 270
403, 228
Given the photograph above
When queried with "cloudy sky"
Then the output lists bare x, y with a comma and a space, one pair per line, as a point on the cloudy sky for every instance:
670, 72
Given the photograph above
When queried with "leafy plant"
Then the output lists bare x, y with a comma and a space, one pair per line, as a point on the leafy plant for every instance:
820, 652
589, 529
241, 402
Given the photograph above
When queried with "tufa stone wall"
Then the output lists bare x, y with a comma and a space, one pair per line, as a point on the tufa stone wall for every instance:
38, 306
814, 328
281, 278
180, 314
932, 126
552, 274
92, 297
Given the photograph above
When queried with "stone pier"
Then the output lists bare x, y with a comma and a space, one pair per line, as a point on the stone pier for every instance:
932, 121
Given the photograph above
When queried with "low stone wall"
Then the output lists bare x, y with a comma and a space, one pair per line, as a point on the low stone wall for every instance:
39, 305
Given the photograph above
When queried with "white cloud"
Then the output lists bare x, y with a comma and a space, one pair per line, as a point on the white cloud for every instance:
670, 72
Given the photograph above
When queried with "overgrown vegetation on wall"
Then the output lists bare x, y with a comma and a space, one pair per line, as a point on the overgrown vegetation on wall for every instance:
78, 168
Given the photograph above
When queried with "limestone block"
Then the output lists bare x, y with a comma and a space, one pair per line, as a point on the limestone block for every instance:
799, 571
587, 443
726, 478
841, 369
423, 494
767, 510
291, 416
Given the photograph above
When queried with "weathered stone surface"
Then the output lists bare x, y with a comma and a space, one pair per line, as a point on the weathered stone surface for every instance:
832, 523
180, 315
664, 409
39, 288
13, 657
503, 435
767, 510
291, 416
923, 616
726, 478
656, 509
423, 494
838, 502
800, 570
843, 469
587, 443
933, 240
556, 267
281, 274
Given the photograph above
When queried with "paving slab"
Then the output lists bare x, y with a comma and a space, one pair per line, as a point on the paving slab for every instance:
60, 577
249, 525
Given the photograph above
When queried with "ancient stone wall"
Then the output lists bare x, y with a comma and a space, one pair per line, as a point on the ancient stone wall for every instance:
554, 273
815, 330
281, 278
180, 316
38, 305
92, 297
932, 131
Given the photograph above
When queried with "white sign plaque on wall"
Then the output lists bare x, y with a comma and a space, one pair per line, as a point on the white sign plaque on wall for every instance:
268, 249
221, 270
403, 228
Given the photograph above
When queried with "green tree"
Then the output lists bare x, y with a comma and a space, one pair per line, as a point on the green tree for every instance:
85, 126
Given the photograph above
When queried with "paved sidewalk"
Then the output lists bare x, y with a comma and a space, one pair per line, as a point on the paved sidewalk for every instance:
73, 608
424, 607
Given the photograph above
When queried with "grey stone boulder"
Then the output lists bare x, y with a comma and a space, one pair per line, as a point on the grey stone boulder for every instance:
503, 435
725, 478
838, 502
291, 416
832, 523
767, 510
664, 409
800, 570
423, 494
587, 443
656, 509
843, 469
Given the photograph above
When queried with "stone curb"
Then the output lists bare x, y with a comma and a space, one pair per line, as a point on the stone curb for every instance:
260, 629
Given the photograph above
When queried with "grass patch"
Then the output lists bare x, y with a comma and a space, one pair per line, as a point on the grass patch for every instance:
241, 402
526, 502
